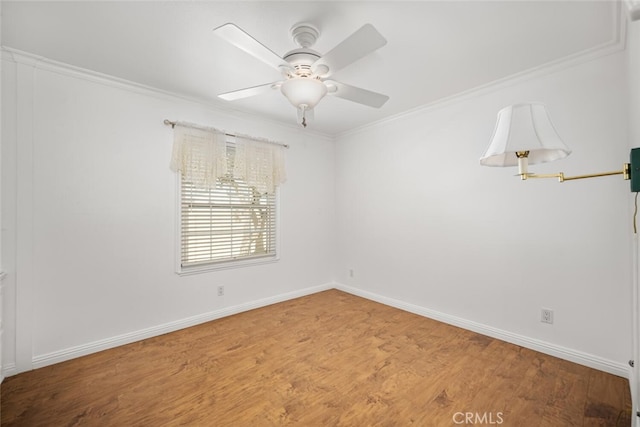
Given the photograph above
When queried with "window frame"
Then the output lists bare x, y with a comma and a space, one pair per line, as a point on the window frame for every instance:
224, 264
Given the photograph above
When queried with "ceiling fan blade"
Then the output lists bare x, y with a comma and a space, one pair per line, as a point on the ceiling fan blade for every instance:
356, 94
359, 44
247, 92
240, 39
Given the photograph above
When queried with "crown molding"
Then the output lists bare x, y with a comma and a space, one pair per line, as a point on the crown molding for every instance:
617, 43
514, 79
629, 11
50, 65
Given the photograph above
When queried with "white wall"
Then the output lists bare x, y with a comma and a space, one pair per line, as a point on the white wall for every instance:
89, 211
2, 275
423, 226
633, 52
89, 215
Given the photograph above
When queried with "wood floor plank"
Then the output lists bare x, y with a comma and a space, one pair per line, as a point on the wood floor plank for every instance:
566, 403
536, 385
328, 359
606, 403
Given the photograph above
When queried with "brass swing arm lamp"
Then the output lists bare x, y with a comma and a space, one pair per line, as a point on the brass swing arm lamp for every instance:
524, 134
625, 172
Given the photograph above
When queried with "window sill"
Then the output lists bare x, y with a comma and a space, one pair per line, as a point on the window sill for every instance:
205, 268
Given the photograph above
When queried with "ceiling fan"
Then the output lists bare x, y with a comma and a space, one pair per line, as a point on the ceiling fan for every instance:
306, 73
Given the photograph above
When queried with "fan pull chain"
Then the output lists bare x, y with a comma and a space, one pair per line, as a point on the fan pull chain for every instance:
302, 115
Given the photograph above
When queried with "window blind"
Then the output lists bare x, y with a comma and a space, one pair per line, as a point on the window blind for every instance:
230, 222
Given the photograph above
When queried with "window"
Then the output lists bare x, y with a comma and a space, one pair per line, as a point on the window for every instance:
227, 199
230, 222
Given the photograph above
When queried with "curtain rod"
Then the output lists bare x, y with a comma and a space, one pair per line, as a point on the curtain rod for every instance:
173, 124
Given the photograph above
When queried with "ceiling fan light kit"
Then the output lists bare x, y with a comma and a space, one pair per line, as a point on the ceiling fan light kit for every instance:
306, 71
304, 94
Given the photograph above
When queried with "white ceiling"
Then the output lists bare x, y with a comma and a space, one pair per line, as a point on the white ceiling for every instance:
435, 49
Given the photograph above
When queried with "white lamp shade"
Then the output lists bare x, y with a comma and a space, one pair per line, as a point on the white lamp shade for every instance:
303, 92
524, 127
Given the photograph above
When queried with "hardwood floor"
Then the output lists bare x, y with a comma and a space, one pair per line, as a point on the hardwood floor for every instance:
328, 359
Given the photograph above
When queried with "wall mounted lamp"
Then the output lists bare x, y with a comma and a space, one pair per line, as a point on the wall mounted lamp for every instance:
524, 135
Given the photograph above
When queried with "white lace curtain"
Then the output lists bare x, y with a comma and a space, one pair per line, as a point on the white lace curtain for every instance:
201, 156
259, 164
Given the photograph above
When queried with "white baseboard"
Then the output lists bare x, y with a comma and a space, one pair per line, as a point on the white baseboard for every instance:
571, 355
104, 344
581, 358
8, 370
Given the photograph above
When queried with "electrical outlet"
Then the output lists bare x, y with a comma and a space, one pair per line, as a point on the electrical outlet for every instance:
220, 291
546, 316
351, 273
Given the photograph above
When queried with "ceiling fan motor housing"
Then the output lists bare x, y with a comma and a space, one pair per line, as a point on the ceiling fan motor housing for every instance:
301, 60
304, 35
